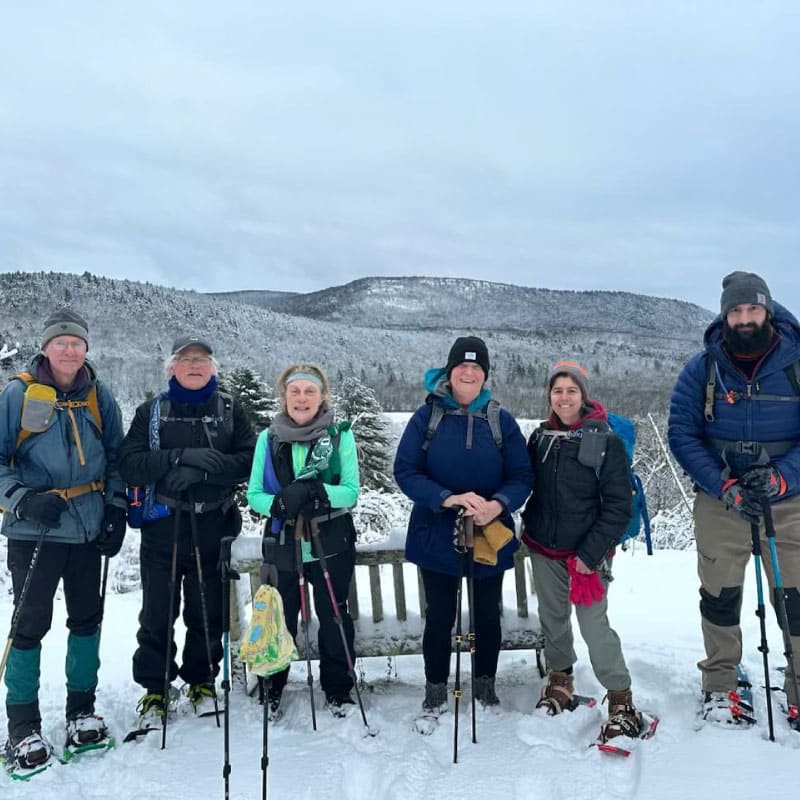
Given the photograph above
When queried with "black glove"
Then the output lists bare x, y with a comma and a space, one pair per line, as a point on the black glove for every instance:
42, 507
299, 497
109, 542
736, 499
762, 483
179, 479
203, 458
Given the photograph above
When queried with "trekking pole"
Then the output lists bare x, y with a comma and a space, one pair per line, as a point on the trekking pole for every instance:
228, 575
21, 599
460, 545
265, 682
203, 602
337, 615
173, 588
469, 536
783, 617
761, 614
301, 577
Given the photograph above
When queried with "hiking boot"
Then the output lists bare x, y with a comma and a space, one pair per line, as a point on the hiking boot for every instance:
203, 697
86, 729
623, 718
484, 691
718, 709
557, 693
435, 701
340, 705
151, 708
33, 752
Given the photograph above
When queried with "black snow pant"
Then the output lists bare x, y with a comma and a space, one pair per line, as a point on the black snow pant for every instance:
440, 617
78, 567
155, 620
334, 674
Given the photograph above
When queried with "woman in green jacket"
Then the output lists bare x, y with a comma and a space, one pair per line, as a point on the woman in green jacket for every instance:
305, 479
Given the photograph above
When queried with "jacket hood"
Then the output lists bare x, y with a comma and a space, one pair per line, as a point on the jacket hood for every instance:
439, 388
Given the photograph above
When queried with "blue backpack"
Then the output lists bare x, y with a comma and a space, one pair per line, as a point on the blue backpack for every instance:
625, 429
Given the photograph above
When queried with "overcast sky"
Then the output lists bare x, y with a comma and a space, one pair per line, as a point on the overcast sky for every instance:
642, 146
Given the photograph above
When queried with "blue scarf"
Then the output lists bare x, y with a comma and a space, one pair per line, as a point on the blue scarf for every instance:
191, 397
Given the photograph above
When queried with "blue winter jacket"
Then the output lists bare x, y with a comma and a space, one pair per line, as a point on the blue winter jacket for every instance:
742, 412
451, 466
50, 460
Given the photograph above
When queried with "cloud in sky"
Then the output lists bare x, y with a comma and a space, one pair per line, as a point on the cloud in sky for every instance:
575, 145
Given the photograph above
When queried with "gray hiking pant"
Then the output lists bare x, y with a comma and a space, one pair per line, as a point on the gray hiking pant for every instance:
555, 612
724, 547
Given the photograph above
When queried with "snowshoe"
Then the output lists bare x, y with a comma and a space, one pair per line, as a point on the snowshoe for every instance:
203, 699
340, 705
151, 708
625, 747
274, 710
623, 718
733, 708
433, 706
85, 733
28, 757
558, 693
485, 692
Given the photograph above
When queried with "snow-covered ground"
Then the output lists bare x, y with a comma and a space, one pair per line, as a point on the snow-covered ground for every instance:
519, 754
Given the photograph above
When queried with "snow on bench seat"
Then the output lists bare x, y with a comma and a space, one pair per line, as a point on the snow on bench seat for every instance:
386, 600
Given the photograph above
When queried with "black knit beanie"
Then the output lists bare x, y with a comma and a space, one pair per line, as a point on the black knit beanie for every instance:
744, 288
468, 348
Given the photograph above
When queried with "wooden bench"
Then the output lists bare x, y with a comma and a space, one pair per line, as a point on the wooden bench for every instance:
392, 590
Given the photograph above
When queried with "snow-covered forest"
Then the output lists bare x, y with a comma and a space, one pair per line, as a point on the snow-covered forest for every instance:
384, 331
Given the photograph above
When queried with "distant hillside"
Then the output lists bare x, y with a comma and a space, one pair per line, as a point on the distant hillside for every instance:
450, 303
387, 331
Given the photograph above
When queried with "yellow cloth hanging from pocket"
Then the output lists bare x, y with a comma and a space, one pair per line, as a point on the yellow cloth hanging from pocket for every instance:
267, 646
489, 540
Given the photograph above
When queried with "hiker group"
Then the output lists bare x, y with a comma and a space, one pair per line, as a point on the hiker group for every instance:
71, 480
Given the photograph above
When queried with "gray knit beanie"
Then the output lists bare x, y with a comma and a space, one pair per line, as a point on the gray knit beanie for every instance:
65, 322
744, 288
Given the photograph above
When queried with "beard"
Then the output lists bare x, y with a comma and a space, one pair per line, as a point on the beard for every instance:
749, 339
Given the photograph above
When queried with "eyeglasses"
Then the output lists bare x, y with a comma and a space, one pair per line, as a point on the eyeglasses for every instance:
78, 346
193, 361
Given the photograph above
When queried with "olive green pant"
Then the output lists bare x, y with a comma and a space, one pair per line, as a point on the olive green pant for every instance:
724, 547
555, 615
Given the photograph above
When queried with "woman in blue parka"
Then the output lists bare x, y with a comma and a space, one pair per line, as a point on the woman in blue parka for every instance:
475, 460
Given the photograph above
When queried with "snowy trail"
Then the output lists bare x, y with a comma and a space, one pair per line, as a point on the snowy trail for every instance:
519, 754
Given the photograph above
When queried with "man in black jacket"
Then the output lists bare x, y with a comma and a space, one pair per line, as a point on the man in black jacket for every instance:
189, 447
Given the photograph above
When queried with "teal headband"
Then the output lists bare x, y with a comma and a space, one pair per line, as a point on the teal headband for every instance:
305, 376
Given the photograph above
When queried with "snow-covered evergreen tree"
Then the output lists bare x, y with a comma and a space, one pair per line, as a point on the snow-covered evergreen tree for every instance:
254, 394
357, 402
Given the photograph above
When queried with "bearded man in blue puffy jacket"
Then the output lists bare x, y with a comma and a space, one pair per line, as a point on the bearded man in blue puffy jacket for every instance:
734, 426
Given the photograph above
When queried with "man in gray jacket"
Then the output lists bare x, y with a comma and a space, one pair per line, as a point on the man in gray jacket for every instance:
64, 501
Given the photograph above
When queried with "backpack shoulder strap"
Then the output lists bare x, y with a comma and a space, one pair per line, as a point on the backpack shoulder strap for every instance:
437, 412
793, 374
225, 409
711, 387
93, 402
493, 416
